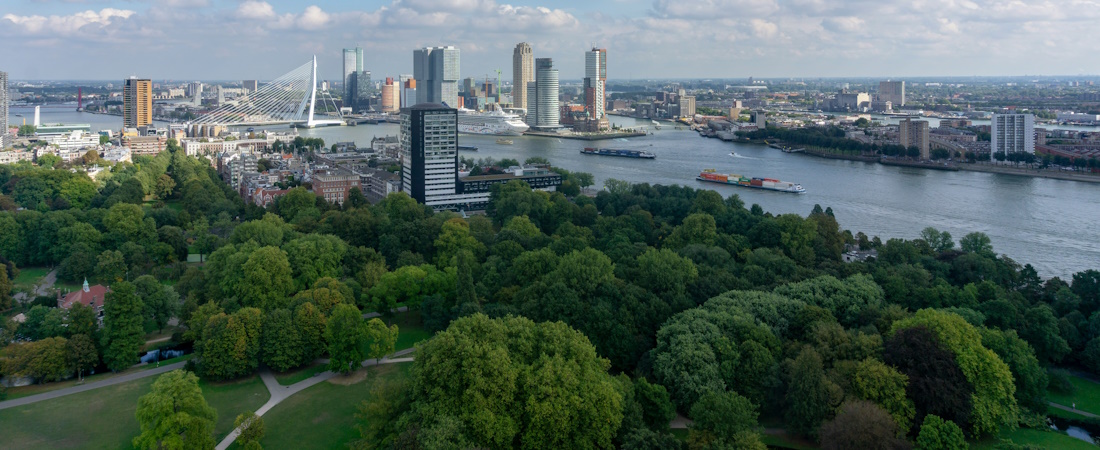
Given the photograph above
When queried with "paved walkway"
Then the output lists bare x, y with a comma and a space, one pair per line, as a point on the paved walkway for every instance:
1074, 410
136, 375
280, 392
40, 288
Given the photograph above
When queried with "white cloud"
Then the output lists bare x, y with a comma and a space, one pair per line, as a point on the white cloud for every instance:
66, 25
713, 9
764, 29
843, 24
313, 18
253, 9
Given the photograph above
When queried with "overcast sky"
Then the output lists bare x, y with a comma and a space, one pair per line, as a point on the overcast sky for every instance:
232, 39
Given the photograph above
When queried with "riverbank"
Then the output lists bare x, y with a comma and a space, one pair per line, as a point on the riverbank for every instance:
972, 167
1040, 173
587, 136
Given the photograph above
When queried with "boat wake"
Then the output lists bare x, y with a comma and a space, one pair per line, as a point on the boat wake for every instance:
737, 155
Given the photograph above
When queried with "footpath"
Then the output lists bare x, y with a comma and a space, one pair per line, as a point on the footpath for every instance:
280, 392
124, 378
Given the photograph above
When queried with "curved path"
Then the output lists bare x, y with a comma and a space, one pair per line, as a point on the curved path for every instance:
280, 392
93, 385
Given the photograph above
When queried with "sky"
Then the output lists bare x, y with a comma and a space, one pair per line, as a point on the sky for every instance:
258, 39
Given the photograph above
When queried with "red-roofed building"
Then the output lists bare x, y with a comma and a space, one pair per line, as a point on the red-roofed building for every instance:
90, 296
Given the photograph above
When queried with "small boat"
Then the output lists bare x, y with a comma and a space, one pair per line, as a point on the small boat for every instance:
468, 148
503, 141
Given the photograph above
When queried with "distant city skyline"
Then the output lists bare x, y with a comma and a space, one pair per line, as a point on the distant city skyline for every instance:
253, 39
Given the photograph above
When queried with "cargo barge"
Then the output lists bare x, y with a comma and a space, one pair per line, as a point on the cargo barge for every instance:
770, 184
618, 152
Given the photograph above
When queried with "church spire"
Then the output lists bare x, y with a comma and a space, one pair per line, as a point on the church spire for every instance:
86, 288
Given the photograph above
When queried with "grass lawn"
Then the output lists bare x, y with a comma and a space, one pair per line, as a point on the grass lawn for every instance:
1087, 396
23, 391
28, 276
104, 418
1040, 438
295, 375
101, 418
231, 398
409, 334
323, 416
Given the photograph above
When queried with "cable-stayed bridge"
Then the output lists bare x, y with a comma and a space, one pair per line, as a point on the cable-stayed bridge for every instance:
291, 98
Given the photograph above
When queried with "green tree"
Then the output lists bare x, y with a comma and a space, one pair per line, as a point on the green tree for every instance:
231, 344
863, 425
251, 428
310, 323
876, 382
583, 271
164, 187
282, 345
725, 419
513, 382
976, 242
939, 434
160, 301
111, 267
315, 256
82, 320
994, 403
175, 414
123, 333
939, 241
82, 354
380, 338
344, 338
5, 288
267, 279
811, 397
455, 237
1030, 377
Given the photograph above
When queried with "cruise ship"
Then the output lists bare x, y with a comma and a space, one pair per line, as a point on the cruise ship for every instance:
492, 122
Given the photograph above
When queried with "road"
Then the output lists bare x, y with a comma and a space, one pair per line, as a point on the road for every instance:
280, 392
136, 375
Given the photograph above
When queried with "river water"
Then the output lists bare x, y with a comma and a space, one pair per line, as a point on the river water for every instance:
1052, 224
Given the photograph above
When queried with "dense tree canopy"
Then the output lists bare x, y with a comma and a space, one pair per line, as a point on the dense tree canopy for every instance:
512, 382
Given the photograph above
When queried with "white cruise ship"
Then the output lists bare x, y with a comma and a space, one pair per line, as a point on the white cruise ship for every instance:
492, 122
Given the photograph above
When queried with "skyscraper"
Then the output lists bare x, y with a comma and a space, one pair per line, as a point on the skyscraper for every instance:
542, 97
408, 93
5, 138
523, 72
390, 97
137, 103
436, 70
429, 157
1011, 133
250, 85
892, 91
402, 80
362, 89
353, 62
595, 80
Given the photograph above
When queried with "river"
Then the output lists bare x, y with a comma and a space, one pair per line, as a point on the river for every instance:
1053, 225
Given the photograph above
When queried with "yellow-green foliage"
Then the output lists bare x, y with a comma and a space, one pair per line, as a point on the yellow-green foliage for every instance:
994, 392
